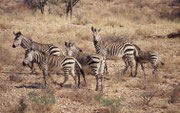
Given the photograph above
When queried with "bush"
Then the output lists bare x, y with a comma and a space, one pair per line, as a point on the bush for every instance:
47, 98
41, 102
113, 104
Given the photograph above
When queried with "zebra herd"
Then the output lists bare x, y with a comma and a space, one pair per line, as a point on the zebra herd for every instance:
75, 62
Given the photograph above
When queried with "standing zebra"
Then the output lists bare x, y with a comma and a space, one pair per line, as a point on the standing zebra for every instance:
143, 57
27, 43
94, 64
48, 63
114, 50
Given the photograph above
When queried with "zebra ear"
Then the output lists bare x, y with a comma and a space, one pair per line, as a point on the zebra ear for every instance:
66, 44
92, 29
14, 33
99, 30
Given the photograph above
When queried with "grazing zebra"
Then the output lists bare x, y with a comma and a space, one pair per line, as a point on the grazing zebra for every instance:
48, 63
27, 43
143, 57
93, 64
114, 50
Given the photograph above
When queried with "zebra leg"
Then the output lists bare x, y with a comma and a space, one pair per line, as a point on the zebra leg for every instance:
101, 82
142, 67
136, 68
131, 65
31, 66
80, 71
125, 69
106, 68
155, 66
102, 67
83, 77
127, 65
155, 69
45, 73
74, 76
66, 73
97, 82
79, 79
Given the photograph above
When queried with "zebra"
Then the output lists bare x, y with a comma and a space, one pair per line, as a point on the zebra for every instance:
48, 63
27, 43
114, 50
94, 63
143, 57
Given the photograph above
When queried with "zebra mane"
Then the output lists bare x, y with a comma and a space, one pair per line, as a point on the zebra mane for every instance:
27, 38
18, 34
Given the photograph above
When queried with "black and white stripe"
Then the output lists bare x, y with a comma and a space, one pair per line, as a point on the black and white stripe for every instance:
48, 63
114, 50
143, 57
94, 63
27, 43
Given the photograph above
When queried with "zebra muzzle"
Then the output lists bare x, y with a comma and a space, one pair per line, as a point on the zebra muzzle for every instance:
13, 46
24, 64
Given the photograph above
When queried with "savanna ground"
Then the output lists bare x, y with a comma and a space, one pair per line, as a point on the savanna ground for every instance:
144, 22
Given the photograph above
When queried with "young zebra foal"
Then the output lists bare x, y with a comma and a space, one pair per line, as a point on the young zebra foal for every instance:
27, 43
94, 64
143, 57
48, 63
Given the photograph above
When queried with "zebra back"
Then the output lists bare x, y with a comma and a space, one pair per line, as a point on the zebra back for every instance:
53, 63
27, 44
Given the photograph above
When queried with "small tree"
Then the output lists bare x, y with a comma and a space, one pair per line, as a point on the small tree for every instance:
40, 4
36, 4
69, 7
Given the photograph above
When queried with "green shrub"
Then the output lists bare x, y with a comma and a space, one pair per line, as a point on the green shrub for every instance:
47, 98
113, 104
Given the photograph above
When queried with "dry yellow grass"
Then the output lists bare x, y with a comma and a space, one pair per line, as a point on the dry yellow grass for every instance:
139, 21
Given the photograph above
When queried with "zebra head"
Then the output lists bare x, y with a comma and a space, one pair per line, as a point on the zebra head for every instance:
96, 35
98, 42
17, 39
29, 57
71, 49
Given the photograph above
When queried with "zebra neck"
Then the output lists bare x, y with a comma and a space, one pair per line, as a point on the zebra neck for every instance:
26, 43
38, 58
100, 48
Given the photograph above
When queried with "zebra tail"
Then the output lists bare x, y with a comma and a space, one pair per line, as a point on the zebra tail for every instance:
80, 67
136, 52
81, 70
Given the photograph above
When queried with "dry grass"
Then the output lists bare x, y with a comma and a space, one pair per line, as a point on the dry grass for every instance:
145, 23
82, 96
